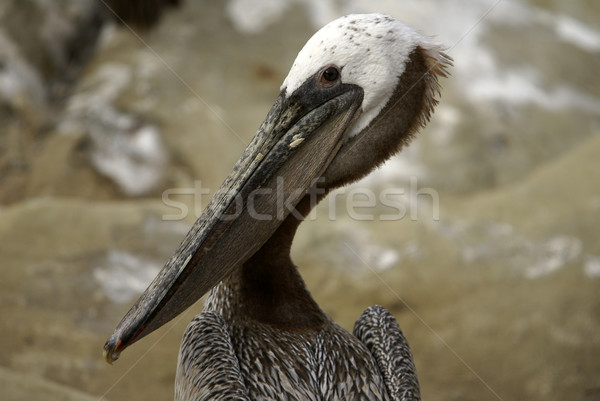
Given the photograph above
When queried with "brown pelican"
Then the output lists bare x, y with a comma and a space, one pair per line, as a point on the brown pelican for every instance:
358, 91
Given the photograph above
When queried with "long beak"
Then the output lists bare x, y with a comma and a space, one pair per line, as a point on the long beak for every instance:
294, 145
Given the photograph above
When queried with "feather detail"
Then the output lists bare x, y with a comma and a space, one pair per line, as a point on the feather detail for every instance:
381, 334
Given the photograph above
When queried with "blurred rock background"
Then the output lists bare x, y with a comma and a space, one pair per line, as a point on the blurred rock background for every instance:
115, 115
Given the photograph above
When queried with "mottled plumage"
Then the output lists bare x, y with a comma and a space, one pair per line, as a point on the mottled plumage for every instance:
226, 357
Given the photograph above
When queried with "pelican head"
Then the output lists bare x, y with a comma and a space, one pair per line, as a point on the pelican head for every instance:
356, 93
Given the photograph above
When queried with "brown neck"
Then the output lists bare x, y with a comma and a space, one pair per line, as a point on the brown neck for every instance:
272, 290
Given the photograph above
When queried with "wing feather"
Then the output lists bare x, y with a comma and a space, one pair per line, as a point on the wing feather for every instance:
381, 334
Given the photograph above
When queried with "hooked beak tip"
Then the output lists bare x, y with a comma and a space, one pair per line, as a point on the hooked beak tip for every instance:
111, 352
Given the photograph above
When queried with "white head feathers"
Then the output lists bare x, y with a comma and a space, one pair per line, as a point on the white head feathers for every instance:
371, 50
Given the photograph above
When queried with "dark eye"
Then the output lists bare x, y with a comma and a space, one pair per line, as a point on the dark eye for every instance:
330, 74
